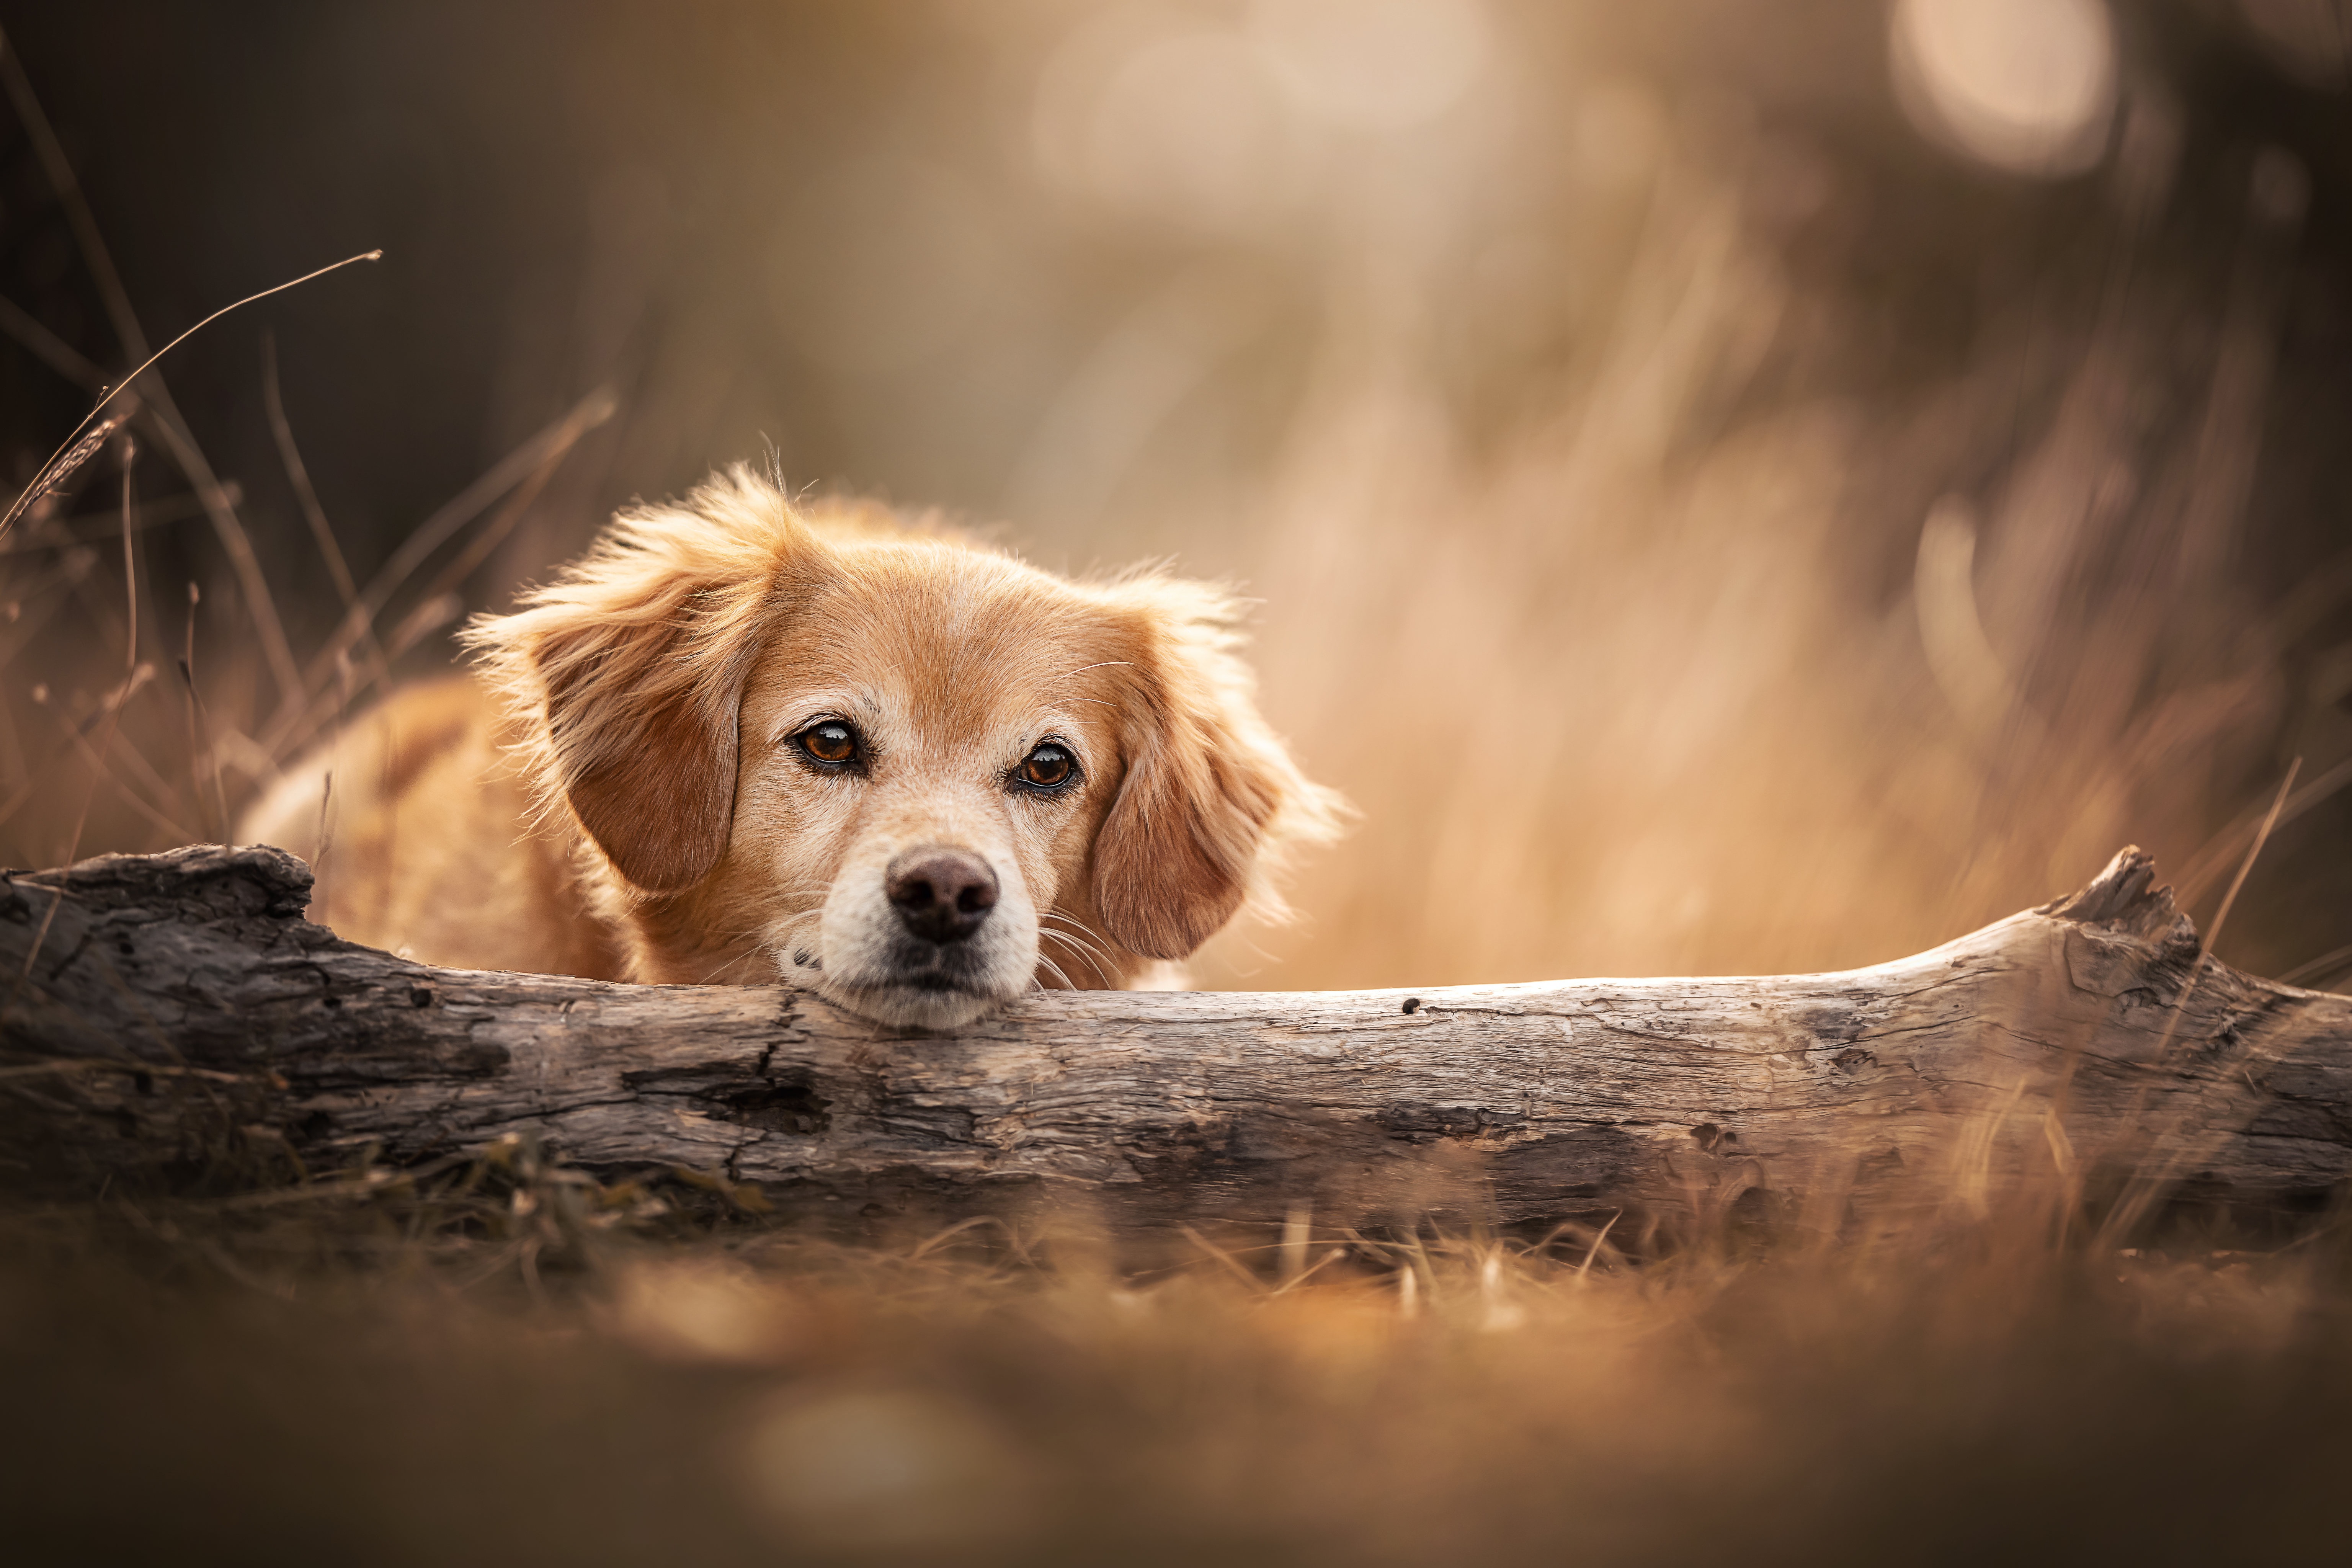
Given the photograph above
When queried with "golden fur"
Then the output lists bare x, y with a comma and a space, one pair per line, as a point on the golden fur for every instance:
623, 792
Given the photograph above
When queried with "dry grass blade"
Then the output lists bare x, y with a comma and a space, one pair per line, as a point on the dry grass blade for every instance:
201, 749
515, 468
76, 736
322, 532
1224, 1257
113, 714
2326, 966
62, 534
79, 741
939, 1239
1585, 1267
2213, 932
31, 491
50, 349
2199, 872
585, 416
61, 468
529, 466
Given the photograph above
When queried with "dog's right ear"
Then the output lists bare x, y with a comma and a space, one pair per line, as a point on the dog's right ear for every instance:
1211, 800
626, 674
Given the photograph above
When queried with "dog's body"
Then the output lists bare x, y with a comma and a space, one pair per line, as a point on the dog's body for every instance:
737, 743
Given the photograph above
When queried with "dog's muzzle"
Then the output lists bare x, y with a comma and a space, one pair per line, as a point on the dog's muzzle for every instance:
942, 895
938, 939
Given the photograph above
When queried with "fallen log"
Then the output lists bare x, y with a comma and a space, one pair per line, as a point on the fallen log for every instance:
168, 1011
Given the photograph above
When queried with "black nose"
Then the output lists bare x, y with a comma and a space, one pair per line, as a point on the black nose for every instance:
942, 895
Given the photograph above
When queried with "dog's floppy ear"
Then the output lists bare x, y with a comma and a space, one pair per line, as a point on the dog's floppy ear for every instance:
626, 674
1210, 798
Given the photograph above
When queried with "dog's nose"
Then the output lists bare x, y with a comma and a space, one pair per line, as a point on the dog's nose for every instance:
942, 894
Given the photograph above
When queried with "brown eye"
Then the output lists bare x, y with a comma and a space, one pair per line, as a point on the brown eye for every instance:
1050, 766
831, 742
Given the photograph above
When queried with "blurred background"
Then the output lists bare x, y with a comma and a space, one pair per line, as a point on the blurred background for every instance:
1730, 487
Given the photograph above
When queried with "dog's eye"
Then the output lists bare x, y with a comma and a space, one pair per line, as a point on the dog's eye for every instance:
831, 742
1050, 766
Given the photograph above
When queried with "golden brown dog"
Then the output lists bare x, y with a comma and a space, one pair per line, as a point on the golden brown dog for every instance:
739, 742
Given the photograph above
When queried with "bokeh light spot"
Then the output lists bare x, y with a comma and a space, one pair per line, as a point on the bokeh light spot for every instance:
2026, 86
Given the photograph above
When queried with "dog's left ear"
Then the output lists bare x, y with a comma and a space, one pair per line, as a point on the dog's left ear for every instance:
626, 675
1210, 797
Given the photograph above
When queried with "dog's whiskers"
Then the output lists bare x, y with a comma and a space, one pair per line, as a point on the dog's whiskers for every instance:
1079, 934
779, 935
733, 947
1092, 960
1077, 928
1075, 924
737, 947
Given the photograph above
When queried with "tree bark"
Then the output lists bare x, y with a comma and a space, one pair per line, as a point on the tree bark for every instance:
178, 1015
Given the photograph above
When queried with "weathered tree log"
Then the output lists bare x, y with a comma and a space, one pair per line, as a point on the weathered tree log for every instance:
179, 1004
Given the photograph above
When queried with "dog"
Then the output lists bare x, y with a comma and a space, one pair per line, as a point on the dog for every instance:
741, 742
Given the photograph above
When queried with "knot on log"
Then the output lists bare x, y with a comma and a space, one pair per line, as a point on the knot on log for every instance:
2124, 896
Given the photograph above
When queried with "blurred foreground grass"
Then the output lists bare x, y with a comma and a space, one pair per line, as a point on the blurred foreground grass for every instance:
521, 1366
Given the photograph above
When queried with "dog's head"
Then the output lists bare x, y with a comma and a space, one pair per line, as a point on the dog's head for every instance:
888, 765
